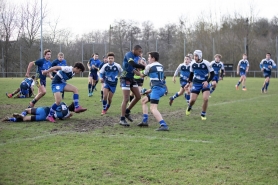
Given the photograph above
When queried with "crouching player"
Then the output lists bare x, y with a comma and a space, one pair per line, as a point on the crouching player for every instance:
201, 73
156, 74
25, 90
40, 113
109, 76
59, 84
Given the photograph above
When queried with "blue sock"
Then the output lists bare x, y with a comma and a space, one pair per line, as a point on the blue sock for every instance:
104, 104
13, 119
145, 117
24, 113
203, 114
176, 95
211, 90
163, 123
53, 109
238, 83
188, 97
93, 88
90, 88
107, 106
266, 85
76, 100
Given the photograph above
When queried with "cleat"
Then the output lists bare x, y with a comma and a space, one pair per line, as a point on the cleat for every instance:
18, 116
124, 123
9, 95
236, 87
5, 119
203, 117
244, 89
79, 109
51, 119
103, 112
171, 101
31, 105
128, 117
90, 94
143, 124
163, 128
187, 113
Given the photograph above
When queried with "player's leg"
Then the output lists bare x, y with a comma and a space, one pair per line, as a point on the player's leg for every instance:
195, 90
244, 82
206, 94
95, 79
144, 102
101, 92
41, 93
177, 94
13, 93
55, 105
267, 80
125, 85
105, 99
239, 81
74, 90
112, 90
187, 94
137, 97
213, 86
90, 81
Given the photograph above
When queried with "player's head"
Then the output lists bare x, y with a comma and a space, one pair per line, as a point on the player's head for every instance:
187, 59
47, 54
104, 58
217, 57
190, 55
198, 55
62, 111
78, 67
33, 77
153, 56
244, 56
267, 56
137, 50
60, 56
110, 57
95, 56
71, 107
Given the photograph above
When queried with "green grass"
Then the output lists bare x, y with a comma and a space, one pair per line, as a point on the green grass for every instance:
237, 144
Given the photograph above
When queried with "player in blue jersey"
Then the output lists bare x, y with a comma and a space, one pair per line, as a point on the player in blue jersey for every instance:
201, 73
59, 84
266, 66
130, 65
25, 90
60, 61
40, 113
217, 66
42, 64
184, 71
93, 66
109, 77
155, 72
102, 84
242, 69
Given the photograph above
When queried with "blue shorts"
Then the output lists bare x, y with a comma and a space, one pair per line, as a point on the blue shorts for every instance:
24, 89
109, 87
94, 76
183, 83
40, 82
58, 87
267, 75
197, 87
157, 93
215, 78
127, 83
40, 113
242, 73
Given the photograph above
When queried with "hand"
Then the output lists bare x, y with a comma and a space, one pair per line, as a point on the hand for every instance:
205, 84
237, 73
27, 75
45, 72
187, 85
270, 67
174, 80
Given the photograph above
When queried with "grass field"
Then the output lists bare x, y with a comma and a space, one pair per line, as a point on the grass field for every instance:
237, 144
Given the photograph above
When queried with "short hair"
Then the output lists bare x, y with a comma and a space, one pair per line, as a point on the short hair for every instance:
244, 54
154, 55
268, 54
46, 51
136, 47
218, 55
80, 66
110, 54
33, 77
95, 53
61, 54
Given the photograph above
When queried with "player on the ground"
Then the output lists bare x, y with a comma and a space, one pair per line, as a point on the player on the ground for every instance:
59, 84
242, 69
93, 66
109, 77
102, 84
42, 64
130, 66
266, 66
201, 73
25, 90
217, 66
40, 113
60, 61
156, 74
184, 70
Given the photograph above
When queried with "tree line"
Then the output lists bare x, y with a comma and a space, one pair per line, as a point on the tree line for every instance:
231, 37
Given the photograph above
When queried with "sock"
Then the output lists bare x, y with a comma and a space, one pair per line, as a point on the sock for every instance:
104, 104
107, 106
211, 90
13, 119
93, 88
131, 98
127, 111
175, 95
188, 97
90, 88
53, 109
96, 83
63, 93
243, 87
76, 100
189, 108
34, 101
238, 83
122, 118
101, 95
24, 113
145, 118
266, 85
203, 114
163, 123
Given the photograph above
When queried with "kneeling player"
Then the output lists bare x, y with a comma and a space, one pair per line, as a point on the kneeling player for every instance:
25, 89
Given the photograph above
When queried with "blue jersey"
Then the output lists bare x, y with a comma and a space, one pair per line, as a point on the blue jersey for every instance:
217, 66
110, 73
58, 63
184, 71
156, 73
63, 75
28, 81
243, 64
42, 64
265, 65
200, 70
127, 68
96, 63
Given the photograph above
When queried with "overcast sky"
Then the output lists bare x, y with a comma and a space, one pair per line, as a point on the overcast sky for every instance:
83, 16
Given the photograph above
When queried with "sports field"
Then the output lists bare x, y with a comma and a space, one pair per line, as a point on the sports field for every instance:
237, 144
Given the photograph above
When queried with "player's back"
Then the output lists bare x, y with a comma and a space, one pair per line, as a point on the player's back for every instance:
156, 73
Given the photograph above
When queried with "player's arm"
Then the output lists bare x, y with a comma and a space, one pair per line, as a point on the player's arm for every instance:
133, 64
88, 65
55, 68
261, 65
273, 65
247, 68
237, 69
176, 73
30, 65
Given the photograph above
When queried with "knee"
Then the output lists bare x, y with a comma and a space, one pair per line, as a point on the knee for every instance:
43, 93
205, 99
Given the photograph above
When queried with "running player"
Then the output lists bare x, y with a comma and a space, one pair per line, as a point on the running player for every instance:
128, 83
217, 66
25, 90
102, 84
93, 66
184, 70
266, 66
109, 77
59, 84
156, 74
242, 69
201, 73
42, 64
